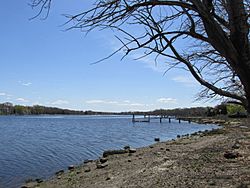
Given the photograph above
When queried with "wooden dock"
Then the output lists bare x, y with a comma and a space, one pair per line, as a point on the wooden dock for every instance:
148, 118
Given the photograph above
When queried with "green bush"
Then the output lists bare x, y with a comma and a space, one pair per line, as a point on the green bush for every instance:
234, 108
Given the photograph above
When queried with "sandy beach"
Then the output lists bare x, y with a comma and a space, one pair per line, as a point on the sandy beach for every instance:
219, 158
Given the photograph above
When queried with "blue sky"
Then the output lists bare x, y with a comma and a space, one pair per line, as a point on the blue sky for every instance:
42, 64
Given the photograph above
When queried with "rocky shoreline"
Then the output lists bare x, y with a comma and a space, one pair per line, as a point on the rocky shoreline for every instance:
217, 158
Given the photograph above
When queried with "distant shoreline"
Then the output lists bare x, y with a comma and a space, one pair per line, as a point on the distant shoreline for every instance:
11, 109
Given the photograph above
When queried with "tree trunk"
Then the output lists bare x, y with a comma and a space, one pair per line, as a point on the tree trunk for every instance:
239, 31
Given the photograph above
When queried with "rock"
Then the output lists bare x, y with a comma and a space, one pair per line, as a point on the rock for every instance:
157, 139
87, 161
99, 166
244, 127
231, 155
113, 152
59, 177
233, 123
178, 136
131, 150
219, 121
78, 172
236, 146
158, 153
38, 180
71, 167
129, 161
167, 149
126, 147
151, 146
87, 170
59, 172
165, 159
103, 160
194, 134
108, 178
212, 183
30, 184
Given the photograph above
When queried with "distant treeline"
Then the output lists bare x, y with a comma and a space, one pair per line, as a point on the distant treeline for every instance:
222, 109
10, 109
197, 111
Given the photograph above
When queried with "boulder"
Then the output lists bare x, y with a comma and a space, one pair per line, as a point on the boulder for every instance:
157, 139
236, 146
71, 167
113, 152
87, 161
131, 150
87, 170
103, 160
231, 155
99, 166
39, 180
126, 147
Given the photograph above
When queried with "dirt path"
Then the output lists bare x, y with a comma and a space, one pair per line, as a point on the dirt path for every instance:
214, 159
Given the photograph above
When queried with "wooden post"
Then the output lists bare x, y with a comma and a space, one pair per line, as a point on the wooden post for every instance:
160, 119
148, 118
169, 120
189, 120
179, 120
133, 119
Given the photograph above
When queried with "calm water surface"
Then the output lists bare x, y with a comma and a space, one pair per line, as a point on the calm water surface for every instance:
38, 146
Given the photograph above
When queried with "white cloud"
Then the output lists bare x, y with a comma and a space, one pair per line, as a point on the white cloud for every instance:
186, 80
137, 104
25, 83
166, 100
126, 101
94, 101
116, 103
60, 102
3, 94
22, 100
97, 101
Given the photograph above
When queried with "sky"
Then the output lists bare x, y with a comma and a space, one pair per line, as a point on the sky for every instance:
42, 64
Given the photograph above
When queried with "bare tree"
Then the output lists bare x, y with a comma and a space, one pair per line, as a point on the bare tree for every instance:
214, 33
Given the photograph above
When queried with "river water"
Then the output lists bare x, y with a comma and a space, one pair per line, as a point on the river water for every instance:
38, 146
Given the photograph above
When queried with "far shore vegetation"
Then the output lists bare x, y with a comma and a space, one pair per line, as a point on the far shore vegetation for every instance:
8, 108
